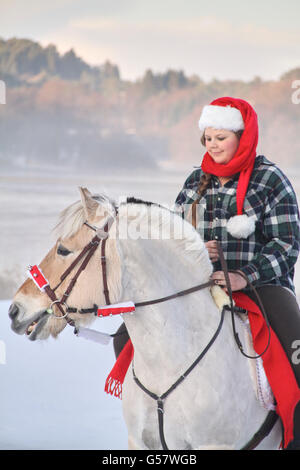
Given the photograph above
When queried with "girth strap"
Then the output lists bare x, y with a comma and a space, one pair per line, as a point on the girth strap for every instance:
263, 431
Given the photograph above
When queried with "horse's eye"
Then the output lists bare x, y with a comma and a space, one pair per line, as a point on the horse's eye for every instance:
61, 250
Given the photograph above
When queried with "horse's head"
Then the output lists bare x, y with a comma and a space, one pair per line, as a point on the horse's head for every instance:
30, 311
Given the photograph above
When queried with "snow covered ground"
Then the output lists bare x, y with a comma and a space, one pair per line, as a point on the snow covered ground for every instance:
52, 393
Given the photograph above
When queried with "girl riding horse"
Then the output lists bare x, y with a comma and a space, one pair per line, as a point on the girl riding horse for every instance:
246, 203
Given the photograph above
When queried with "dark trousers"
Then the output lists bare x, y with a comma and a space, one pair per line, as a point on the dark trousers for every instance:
283, 313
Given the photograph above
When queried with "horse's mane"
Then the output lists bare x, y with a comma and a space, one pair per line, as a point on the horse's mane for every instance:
161, 217
73, 217
166, 223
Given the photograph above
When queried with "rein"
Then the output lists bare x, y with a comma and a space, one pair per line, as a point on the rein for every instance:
232, 308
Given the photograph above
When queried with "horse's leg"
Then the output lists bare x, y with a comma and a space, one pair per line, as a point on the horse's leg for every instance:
131, 444
215, 447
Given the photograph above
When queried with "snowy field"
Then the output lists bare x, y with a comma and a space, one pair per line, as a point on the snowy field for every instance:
52, 392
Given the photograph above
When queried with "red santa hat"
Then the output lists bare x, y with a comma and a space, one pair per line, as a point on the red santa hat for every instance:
234, 114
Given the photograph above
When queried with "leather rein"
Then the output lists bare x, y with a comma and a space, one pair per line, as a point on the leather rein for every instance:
85, 256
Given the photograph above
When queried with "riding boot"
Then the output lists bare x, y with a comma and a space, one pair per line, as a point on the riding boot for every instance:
283, 313
120, 339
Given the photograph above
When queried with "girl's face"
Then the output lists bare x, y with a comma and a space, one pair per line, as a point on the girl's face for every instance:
221, 144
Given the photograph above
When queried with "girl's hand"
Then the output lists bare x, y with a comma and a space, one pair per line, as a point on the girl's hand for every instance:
237, 282
212, 249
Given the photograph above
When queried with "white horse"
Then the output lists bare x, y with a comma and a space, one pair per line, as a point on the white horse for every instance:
151, 253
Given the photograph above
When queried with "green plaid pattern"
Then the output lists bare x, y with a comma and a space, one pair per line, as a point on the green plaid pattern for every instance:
268, 256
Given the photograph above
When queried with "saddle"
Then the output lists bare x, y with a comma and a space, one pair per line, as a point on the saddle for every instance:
279, 378
261, 386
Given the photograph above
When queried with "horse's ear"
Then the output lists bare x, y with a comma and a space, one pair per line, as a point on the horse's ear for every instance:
89, 204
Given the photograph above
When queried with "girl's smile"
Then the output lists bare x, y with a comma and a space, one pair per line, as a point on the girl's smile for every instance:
221, 144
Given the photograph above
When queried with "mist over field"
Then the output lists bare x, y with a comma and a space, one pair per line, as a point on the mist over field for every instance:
62, 113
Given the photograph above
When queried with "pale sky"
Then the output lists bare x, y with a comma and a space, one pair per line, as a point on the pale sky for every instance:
223, 39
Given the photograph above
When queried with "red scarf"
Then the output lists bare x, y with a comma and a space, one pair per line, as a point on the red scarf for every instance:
276, 365
243, 160
114, 381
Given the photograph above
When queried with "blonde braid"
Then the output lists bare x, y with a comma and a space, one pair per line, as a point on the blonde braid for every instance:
202, 186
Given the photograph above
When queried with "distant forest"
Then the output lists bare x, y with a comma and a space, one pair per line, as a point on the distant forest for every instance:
61, 112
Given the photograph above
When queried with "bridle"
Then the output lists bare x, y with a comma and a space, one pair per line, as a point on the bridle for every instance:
85, 256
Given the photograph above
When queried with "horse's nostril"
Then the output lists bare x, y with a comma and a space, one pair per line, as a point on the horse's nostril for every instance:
13, 311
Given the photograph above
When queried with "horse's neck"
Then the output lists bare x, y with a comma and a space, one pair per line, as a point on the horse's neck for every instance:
171, 333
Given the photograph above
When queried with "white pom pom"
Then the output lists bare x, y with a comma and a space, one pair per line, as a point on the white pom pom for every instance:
241, 226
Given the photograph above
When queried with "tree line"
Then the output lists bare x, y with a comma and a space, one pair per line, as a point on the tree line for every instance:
62, 110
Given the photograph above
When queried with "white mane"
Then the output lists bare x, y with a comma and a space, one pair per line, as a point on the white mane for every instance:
140, 219
73, 217
160, 223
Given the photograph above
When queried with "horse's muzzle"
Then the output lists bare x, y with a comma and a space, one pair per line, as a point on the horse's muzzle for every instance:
13, 311
30, 326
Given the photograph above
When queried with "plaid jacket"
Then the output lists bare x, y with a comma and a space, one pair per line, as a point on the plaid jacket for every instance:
268, 256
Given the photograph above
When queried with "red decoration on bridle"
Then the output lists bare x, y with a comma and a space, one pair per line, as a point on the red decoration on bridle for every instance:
116, 309
35, 273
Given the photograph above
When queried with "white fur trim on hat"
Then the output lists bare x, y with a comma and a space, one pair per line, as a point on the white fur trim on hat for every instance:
221, 117
240, 226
